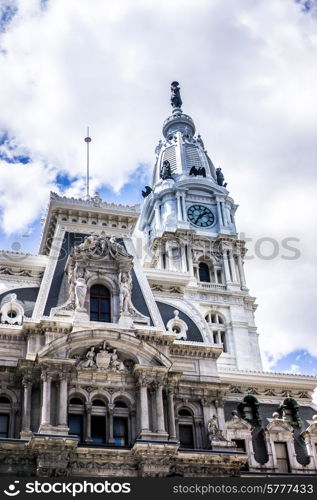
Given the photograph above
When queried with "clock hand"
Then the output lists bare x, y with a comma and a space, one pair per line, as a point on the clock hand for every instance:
199, 217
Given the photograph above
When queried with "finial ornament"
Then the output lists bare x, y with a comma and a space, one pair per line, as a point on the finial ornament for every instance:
176, 100
87, 141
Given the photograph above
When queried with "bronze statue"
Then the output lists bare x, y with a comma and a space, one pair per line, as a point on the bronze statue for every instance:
176, 101
220, 178
166, 171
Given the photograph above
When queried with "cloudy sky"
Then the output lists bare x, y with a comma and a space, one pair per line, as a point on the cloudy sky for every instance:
248, 76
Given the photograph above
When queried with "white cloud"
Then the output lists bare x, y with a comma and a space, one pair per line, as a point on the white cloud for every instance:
248, 75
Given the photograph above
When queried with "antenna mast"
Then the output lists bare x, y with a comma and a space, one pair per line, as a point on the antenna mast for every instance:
87, 141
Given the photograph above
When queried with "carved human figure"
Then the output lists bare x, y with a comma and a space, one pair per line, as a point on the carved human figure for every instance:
125, 284
90, 357
115, 362
116, 249
80, 292
212, 428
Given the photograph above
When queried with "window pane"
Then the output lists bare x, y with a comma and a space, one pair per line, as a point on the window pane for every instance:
282, 457
204, 274
186, 436
4, 424
98, 429
120, 431
75, 424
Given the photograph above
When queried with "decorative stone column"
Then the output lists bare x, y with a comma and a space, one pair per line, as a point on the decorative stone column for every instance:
157, 216
220, 413
183, 206
233, 266
241, 272
224, 214
26, 410
63, 394
88, 408
226, 265
159, 408
171, 414
179, 207
46, 402
111, 409
143, 406
219, 214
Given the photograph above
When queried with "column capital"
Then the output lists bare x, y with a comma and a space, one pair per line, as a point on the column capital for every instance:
27, 381
218, 403
46, 376
88, 407
205, 401
111, 407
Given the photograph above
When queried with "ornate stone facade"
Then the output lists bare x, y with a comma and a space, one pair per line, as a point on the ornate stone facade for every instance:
116, 364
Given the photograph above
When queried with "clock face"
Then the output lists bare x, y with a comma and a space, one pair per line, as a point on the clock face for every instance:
200, 216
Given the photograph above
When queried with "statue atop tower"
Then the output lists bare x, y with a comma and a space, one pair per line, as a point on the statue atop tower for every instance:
176, 100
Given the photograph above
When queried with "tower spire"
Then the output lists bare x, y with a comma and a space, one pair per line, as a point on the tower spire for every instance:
87, 141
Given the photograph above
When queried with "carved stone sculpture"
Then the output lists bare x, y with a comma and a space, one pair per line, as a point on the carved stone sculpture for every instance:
80, 292
90, 358
125, 284
214, 433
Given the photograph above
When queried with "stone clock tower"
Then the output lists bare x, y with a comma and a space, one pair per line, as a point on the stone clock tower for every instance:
117, 366
188, 218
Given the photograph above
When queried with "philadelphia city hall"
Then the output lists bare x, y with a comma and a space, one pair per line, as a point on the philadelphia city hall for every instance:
114, 363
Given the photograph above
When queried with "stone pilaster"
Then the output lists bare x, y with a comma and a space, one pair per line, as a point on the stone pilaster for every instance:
26, 407
45, 426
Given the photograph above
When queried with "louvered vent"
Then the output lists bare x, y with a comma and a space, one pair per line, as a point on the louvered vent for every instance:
192, 156
169, 154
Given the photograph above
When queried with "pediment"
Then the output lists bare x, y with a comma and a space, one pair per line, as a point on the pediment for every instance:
75, 346
237, 423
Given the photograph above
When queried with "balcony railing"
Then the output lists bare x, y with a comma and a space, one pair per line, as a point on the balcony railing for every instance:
211, 286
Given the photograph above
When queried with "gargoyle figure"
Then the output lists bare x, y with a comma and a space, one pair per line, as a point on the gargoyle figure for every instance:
148, 190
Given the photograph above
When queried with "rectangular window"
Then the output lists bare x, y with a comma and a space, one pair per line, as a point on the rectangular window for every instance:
282, 457
4, 425
98, 429
242, 447
186, 437
120, 431
75, 424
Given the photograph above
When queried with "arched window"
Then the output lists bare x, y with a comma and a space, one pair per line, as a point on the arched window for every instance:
249, 409
5, 410
100, 309
186, 429
204, 273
